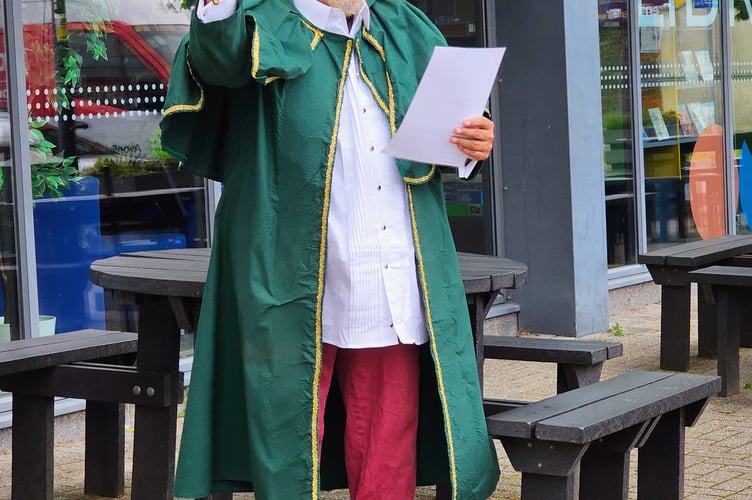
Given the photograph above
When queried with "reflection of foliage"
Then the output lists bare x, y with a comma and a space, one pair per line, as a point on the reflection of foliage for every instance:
132, 166
49, 173
178, 5
741, 10
616, 121
68, 58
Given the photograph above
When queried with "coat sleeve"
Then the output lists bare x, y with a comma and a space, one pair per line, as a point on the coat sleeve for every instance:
260, 42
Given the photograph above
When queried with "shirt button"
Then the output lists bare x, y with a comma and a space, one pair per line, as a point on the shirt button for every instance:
364, 110
386, 266
379, 187
391, 325
384, 228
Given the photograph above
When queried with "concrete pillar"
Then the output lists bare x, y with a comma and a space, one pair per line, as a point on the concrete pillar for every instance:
549, 123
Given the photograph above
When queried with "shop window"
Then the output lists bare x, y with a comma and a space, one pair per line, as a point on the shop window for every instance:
97, 73
618, 145
8, 278
682, 117
469, 204
741, 90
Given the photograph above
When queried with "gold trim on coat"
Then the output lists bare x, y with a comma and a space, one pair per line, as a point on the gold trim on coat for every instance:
177, 108
434, 348
317, 33
390, 108
421, 180
322, 264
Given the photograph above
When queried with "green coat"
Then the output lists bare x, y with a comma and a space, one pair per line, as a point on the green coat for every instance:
254, 102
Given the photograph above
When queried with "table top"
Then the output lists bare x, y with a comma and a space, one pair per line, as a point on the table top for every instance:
182, 272
699, 253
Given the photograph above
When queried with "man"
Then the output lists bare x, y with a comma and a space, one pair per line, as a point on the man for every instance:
331, 260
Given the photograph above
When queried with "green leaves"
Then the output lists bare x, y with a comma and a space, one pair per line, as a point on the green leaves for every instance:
50, 173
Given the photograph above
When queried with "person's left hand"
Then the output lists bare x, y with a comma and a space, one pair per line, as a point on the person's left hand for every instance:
475, 138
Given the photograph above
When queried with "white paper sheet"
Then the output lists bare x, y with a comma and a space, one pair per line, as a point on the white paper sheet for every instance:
455, 86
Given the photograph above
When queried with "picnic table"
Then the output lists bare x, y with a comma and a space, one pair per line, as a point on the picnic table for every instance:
167, 286
671, 268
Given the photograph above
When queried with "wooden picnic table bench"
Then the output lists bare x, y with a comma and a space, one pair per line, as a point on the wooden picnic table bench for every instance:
578, 362
670, 268
728, 288
36, 370
596, 427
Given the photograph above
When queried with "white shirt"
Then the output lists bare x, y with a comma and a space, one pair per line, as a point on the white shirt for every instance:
371, 293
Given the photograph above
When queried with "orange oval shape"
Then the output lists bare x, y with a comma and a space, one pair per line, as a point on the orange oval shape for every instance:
707, 186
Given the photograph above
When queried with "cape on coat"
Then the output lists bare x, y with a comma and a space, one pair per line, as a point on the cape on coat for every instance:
254, 101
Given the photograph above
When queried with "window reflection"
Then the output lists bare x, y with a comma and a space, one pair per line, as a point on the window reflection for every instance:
617, 132
97, 72
741, 88
8, 279
682, 113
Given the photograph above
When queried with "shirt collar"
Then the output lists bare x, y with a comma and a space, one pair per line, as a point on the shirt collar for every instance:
332, 20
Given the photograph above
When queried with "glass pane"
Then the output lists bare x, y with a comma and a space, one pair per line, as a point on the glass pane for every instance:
459, 21
682, 113
618, 151
8, 282
97, 72
468, 203
741, 87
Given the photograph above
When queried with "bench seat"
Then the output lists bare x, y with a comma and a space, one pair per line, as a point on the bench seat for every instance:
596, 427
578, 362
44, 352
36, 370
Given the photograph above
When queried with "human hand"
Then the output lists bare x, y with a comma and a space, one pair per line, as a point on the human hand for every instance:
475, 138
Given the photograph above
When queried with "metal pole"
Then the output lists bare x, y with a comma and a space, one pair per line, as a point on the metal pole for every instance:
28, 307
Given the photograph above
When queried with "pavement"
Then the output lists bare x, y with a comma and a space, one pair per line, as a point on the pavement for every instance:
718, 447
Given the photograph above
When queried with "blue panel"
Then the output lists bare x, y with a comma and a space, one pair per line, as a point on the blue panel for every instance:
67, 236
745, 182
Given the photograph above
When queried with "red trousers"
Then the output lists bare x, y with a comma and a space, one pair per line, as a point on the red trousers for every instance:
380, 393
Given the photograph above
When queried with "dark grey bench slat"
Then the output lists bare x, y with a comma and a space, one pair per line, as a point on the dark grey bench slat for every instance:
739, 260
190, 265
520, 422
712, 253
198, 254
44, 352
550, 350
98, 382
723, 275
506, 273
695, 253
191, 283
600, 418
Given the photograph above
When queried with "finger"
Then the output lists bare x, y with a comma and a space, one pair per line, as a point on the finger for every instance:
480, 122
475, 134
483, 146
473, 149
479, 128
474, 155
